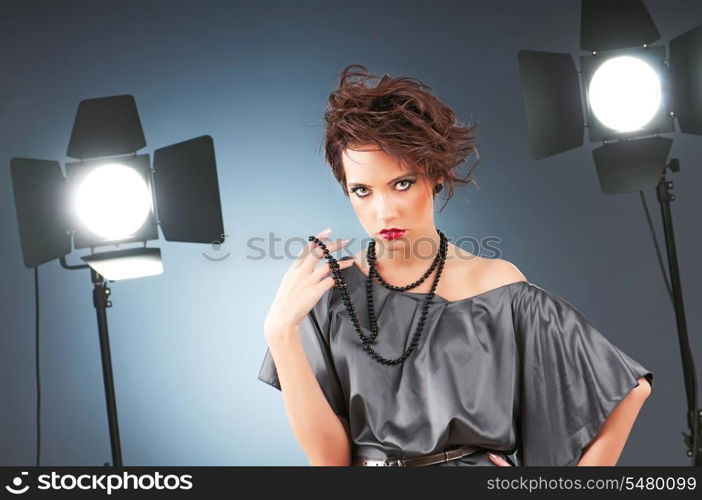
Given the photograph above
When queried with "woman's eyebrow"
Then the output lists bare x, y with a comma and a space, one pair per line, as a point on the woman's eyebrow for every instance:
358, 184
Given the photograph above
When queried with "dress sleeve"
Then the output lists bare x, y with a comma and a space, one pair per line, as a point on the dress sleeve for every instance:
571, 378
314, 335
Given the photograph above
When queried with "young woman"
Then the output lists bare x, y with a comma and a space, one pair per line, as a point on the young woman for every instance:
415, 351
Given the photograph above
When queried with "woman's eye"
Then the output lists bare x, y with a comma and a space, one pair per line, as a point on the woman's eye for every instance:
407, 182
355, 190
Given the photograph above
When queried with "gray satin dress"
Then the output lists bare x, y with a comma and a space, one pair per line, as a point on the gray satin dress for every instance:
515, 370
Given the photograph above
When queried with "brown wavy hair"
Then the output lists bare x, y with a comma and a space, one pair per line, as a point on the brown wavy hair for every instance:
402, 117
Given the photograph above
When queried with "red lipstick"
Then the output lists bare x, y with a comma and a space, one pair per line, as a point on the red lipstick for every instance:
392, 233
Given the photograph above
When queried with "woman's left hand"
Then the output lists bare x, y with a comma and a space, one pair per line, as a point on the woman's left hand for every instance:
499, 460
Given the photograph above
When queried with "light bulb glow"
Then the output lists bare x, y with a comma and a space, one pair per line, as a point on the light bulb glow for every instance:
625, 93
113, 201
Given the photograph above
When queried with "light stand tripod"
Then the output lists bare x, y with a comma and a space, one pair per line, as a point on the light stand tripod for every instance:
694, 414
101, 302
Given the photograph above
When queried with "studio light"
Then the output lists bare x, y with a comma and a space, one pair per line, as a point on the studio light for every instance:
627, 93
111, 197
113, 201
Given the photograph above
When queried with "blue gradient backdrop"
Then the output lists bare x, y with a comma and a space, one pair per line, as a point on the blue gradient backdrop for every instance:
187, 345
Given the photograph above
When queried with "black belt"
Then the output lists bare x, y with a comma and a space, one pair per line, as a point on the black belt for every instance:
443, 456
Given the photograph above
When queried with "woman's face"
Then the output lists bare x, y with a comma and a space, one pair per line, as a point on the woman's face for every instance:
385, 195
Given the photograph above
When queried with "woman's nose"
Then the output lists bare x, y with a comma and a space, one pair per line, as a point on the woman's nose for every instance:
386, 208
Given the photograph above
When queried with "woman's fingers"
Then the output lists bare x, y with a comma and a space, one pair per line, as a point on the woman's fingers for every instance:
332, 246
310, 248
499, 460
317, 254
324, 269
311, 254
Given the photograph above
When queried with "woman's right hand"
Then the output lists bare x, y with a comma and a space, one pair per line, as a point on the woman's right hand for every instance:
302, 287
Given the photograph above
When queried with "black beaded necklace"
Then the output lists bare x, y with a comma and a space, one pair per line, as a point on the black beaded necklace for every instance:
366, 341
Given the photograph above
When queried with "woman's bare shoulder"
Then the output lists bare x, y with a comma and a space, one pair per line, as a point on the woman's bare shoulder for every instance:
488, 273
499, 272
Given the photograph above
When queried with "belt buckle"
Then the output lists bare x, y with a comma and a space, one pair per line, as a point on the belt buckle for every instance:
394, 462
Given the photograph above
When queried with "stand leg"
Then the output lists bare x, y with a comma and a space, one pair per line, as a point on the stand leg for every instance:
100, 294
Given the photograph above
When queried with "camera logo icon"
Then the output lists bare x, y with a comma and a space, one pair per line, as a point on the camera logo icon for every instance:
216, 246
17, 482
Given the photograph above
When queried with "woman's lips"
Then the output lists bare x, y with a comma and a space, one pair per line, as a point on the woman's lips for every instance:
391, 235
